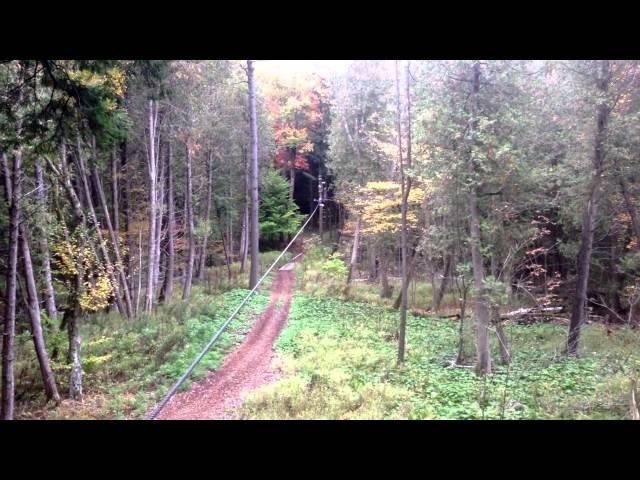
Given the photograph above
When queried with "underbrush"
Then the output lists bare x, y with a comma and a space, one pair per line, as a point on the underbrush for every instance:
339, 363
129, 365
322, 273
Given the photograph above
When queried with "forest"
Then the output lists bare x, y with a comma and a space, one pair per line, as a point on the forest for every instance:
366, 239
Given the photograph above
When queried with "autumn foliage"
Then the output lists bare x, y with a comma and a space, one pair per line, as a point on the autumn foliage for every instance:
294, 108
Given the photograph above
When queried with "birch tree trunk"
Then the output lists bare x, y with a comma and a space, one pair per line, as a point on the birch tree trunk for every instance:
244, 234
49, 299
124, 308
115, 190
354, 250
50, 388
152, 170
188, 277
159, 215
8, 338
126, 183
255, 226
114, 241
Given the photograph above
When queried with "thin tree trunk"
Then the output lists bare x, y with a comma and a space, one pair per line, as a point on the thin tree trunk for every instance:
244, 237
171, 222
115, 190
443, 283
8, 339
73, 329
354, 250
292, 175
463, 311
188, 278
152, 170
412, 267
386, 290
230, 219
373, 267
114, 240
50, 388
505, 356
126, 182
635, 224
103, 248
138, 293
207, 219
590, 215
255, 226
481, 308
321, 209
160, 214
405, 190
50, 299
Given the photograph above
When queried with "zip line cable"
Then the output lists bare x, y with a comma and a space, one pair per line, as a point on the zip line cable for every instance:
215, 337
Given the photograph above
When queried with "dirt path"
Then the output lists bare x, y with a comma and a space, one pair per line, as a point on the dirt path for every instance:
243, 370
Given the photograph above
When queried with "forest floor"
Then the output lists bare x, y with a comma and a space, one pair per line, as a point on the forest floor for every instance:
245, 369
338, 359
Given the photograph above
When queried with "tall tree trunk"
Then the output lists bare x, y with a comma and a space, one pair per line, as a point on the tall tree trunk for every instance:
292, 174
255, 226
171, 225
443, 284
503, 343
244, 233
628, 203
72, 318
8, 354
481, 307
207, 219
159, 215
230, 218
115, 190
152, 170
50, 388
385, 291
354, 250
124, 308
590, 213
49, 299
405, 190
114, 240
321, 203
373, 263
188, 277
412, 268
128, 215
340, 226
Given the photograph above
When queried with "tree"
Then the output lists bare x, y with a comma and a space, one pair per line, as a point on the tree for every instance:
8, 339
279, 215
405, 184
601, 77
255, 228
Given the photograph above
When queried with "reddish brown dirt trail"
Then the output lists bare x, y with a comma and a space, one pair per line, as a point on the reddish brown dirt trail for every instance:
243, 370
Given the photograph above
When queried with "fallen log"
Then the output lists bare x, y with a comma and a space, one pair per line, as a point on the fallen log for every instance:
535, 311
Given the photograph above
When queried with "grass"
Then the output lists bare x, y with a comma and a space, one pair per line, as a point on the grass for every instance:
321, 275
130, 365
339, 362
